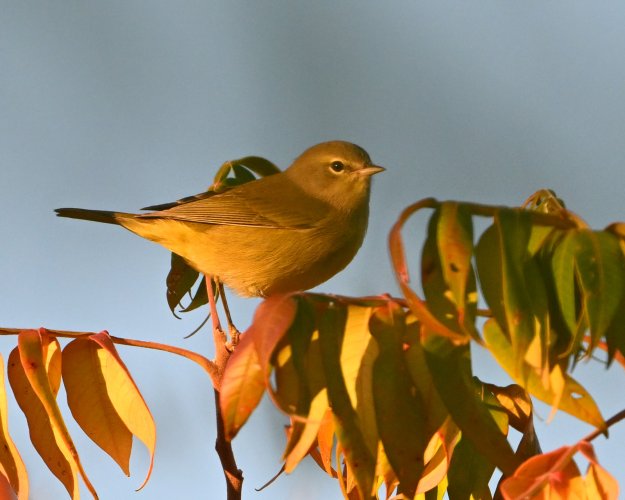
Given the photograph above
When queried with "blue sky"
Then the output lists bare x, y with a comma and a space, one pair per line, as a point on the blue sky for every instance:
119, 105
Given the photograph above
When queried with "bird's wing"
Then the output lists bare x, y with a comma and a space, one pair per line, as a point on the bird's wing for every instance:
181, 201
258, 204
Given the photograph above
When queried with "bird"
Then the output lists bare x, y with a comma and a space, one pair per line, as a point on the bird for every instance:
282, 233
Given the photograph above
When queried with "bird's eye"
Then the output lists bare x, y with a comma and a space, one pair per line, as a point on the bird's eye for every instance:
337, 167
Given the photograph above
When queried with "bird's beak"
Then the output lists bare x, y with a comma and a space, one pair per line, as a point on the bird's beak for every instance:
371, 170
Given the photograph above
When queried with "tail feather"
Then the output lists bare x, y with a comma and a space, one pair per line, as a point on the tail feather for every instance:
93, 215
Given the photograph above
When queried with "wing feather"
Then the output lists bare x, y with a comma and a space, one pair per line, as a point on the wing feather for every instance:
273, 202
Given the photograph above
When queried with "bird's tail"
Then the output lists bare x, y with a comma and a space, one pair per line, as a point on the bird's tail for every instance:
93, 215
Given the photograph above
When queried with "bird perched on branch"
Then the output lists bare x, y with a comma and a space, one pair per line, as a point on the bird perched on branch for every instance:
285, 232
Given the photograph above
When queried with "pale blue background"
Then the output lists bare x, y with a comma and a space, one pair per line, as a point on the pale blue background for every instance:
122, 104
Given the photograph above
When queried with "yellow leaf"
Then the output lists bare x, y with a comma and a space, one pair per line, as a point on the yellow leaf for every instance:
34, 374
124, 395
13, 468
318, 408
89, 401
358, 353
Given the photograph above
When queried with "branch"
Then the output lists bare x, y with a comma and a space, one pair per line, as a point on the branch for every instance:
608, 423
206, 364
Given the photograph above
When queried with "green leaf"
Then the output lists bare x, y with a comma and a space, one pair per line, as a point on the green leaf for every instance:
454, 239
456, 310
450, 367
258, 165
200, 297
512, 283
571, 397
179, 281
421, 378
332, 320
400, 412
600, 267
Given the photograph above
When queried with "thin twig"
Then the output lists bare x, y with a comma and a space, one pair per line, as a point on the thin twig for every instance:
206, 364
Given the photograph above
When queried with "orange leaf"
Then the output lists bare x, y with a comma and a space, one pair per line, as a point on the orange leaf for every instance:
242, 386
34, 374
13, 468
599, 484
325, 439
552, 475
272, 319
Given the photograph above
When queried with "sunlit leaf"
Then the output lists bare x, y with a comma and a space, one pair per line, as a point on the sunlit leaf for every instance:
599, 483
325, 440
358, 353
348, 428
398, 257
272, 319
573, 399
400, 412
438, 456
104, 399
451, 373
444, 265
242, 386
12, 466
515, 401
299, 450
600, 267
552, 475
455, 247
35, 374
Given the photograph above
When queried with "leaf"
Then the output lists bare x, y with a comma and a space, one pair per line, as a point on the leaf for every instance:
325, 440
360, 460
451, 373
600, 268
573, 398
459, 317
299, 450
400, 412
179, 281
398, 258
272, 319
242, 386
11, 464
258, 165
455, 247
515, 401
438, 456
358, 353
420, 373
35, 374
469, 472
553, 473
200, 297
104, 399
